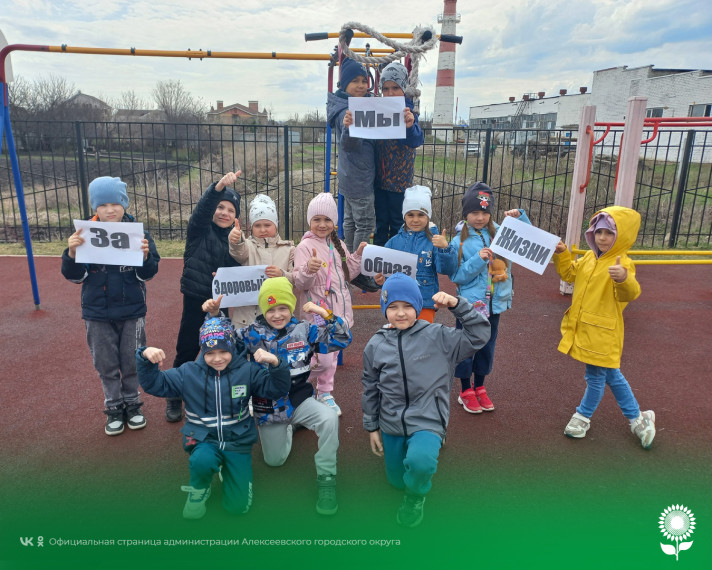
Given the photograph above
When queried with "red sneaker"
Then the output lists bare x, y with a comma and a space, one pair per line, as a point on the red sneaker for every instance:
483, 399
468, 399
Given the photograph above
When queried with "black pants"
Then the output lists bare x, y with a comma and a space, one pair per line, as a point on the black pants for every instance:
389, 215
188, 344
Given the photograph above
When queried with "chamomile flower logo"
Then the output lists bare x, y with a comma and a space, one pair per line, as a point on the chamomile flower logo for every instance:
677, 523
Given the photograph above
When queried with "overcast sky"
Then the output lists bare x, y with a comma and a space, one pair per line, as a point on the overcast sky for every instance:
509, 47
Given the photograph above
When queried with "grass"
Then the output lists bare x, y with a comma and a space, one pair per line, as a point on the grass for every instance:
166, 248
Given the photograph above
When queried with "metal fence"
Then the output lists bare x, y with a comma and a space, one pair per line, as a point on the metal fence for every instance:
167, 167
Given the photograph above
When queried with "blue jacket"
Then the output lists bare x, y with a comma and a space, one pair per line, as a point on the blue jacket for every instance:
113, 292
356, 167
395, 158
216, 403
431, 260
471, 275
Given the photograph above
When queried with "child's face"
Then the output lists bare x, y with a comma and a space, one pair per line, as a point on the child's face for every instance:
604, 239
278, 317
264, 229
478, 219
218, 359
391, 89
401, 315
416, 221
110, 212
321, 226
358, 87
224, 215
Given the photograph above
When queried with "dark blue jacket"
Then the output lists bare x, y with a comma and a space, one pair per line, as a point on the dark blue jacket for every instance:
113, 292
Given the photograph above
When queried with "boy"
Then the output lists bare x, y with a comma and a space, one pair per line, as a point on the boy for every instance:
279, 332
219, 431
114, 308
408, 369
395, 158
356, 168
592, 329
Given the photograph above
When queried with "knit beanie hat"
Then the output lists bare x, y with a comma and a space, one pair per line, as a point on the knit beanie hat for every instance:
276, 291
108, 190
217, 333
348, 71
395, 72
400, 287
323, 204
263, 208
477, 198
417, 198
229, 195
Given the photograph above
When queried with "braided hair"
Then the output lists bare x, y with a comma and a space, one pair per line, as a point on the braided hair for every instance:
340, 248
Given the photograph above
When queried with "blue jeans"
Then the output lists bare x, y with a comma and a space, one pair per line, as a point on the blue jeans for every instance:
480, 364
596, 379
411, 461
389, 215
205, 461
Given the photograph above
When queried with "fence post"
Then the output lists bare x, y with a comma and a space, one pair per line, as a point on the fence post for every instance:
287, 226
485, 165
681, 187
86, 212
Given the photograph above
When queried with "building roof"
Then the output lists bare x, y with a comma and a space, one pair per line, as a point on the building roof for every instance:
238, 107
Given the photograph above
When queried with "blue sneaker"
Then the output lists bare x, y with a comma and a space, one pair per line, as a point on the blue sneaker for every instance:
195, 504
328, 400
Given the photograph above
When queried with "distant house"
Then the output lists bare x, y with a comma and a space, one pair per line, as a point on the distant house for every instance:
89, 107
140, 116
238, 114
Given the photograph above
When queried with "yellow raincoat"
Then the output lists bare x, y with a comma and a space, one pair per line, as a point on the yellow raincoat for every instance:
592, 328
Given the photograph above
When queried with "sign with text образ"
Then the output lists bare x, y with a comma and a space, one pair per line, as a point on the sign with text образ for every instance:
377, 259
110, 243
524, 244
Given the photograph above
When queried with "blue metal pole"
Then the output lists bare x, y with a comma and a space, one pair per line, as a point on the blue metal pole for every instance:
7, 128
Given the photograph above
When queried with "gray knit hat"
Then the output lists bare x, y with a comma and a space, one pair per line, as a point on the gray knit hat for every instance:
395, 72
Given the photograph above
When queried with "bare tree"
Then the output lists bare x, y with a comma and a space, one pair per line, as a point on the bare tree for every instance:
131, 101
177, 103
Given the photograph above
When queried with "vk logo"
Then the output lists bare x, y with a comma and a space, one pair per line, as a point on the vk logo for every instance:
27, 541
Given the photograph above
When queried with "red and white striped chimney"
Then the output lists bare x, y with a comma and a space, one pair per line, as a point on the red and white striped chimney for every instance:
445, 82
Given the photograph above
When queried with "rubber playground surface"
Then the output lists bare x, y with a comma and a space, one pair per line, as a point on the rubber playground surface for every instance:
510, 491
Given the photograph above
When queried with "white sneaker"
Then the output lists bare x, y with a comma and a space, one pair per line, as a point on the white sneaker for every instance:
644, 428
578, 426
328, 400
195, 504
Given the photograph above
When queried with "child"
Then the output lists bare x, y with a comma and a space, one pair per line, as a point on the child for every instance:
114, 308
408, 369
219, 431
592, 329
356, 168
264, 247
206, 249
474, 282
395, 159
321, 275
434, 253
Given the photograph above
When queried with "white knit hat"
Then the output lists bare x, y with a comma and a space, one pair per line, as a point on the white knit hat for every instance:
417, 198
263, 208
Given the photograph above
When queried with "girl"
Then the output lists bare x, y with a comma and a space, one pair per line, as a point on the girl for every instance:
435, 255
323, 268
474, 282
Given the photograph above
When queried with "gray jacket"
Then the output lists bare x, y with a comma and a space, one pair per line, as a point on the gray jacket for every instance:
407, 375
356, 167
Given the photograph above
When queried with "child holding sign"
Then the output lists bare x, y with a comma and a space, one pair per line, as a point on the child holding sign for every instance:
475, 282
592, 329
434, 253
114, 308
263, 247
408, 369
323, 268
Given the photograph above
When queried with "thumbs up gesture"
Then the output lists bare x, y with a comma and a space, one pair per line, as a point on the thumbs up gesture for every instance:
440, 241
314, 263
617, 272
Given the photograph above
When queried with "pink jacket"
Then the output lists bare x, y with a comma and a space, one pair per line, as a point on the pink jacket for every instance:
312, 286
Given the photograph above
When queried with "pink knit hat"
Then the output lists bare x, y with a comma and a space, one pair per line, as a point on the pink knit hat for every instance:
323, 204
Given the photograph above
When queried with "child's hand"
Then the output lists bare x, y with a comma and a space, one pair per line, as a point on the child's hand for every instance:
314, 264
227, 180
442, 300
376, 443
235, 235
514, 213
314, 309
74, 241
273, 271
560, 247
154, 355
361, 247
486, 253
440, 241
212, 306
348, 119
408, 117
144, 248
264, 357
380, 279
617, 272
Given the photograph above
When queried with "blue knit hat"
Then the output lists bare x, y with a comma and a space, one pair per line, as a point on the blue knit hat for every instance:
108, 190
348, 71
400, 287
217, 333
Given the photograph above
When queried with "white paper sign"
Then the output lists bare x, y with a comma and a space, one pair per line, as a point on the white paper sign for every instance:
239, 286
110, 243
524, 244
377, 117
376, 259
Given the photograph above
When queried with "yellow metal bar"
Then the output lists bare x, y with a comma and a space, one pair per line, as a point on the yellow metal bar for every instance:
671, 252
403, 35
576, 251
673, 261
366, 307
